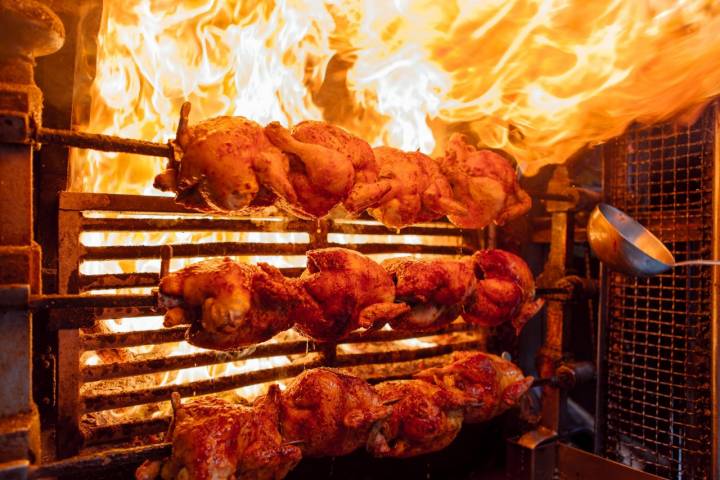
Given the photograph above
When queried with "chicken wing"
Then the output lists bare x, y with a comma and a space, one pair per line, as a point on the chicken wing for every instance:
436, 291
484, 182
329, 413
418, 192
494, 385
229, 304
505, 290
228, 166
215, 439
349, 291
321, 165
425, 418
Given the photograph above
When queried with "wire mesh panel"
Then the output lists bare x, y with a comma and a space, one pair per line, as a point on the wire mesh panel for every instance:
658, 397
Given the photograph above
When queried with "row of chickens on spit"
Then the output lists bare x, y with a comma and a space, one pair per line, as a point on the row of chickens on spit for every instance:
232, 165
230, 304
324, 413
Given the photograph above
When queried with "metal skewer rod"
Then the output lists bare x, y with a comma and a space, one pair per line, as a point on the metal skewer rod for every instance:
106, 143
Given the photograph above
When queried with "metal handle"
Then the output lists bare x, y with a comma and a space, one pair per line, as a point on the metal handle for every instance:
697, 262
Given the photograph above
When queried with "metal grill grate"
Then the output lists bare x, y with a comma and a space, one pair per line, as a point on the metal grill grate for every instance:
659, 353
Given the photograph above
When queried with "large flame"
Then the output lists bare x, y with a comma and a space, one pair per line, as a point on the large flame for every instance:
538, 78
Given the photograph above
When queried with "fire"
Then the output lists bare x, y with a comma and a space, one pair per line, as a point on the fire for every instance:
537, 78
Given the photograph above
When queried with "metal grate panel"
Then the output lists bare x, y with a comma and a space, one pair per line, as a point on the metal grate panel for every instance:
658, 329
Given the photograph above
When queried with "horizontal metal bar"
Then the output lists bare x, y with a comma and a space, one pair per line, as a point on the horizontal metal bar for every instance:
197, 224
234, 248
132, 339
113, 202
404, 355
80, 466
115, 432
107, 401
105, 143
38, 302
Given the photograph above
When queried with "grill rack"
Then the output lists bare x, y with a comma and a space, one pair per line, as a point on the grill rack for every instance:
79, 213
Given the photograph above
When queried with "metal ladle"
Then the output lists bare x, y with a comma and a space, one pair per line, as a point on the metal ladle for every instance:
628, 247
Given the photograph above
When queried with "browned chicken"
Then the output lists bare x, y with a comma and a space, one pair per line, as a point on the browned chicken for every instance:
425, 418
418, 191
494, 385
328, 412
349, 291
505, 291
322, 172
228, 165
229, 304
436, 290
484, 182
213, 439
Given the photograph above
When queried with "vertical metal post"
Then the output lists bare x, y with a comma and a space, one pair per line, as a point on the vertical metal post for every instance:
715, 297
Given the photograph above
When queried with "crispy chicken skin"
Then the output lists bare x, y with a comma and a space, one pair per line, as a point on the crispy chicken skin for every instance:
494, 385
321, 165
436, 290
328, 412
229, 304
418, 192
214, 439
228, 166
425, 418
484, 182
349, 291
505, 290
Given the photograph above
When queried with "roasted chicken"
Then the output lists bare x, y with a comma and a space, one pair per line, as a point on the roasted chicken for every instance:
229, 304
484, 183
418, 192
505, 291
213, 439
322, 161
229, 166
492, 384
425, 418
348, 290
329, 413
436, 290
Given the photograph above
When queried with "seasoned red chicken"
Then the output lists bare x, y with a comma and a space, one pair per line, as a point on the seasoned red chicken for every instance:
328, 412
349, 291
425, 418
505, 290
484, 182
229, 166
436, 290
213, 439
229, 304
494, 385
321, 165
418, 190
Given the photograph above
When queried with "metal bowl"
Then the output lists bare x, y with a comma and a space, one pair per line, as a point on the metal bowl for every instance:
625, 245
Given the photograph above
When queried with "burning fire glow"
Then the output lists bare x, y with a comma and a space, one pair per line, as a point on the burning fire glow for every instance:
537, 78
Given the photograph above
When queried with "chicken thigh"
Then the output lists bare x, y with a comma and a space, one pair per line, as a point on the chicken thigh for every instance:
493, 384
425, 418
328, 412
418, 192
349, 291
484, 182
228, 166
229, 304
436, 290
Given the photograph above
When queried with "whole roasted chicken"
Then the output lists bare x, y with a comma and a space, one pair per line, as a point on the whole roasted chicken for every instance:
228, 166
348, 290
435, 290
230, 304
492, 384
214, 439
322, 165
505, 291
485, 184
328, 412
425, 418
418, 192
